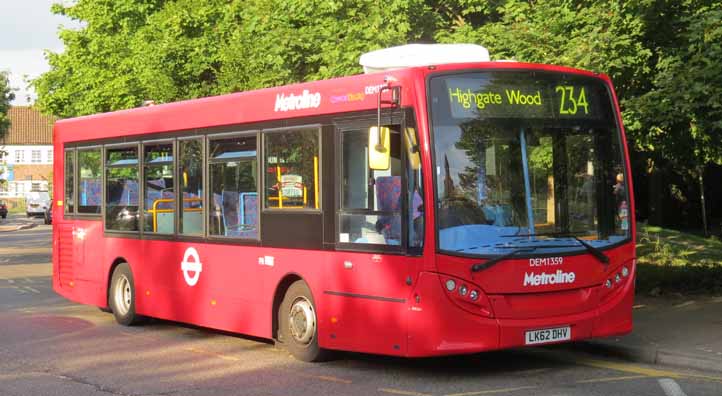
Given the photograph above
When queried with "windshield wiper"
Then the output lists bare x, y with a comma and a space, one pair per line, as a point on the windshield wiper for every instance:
491, 262
591, 249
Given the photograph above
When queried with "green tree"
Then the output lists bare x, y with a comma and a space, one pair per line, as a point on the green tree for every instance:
680, 118
6, 96
97, 72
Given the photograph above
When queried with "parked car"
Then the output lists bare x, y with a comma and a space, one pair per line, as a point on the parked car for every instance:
49, 215
37, 202
3, 209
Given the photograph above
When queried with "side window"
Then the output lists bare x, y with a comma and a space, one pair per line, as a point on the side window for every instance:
371, 200
89, 181
291, 169
415, 188
69, 181
190, 172
121, 189
233, 195
159, 193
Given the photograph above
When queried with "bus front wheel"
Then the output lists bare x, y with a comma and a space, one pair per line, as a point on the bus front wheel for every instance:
122, 296
297, 324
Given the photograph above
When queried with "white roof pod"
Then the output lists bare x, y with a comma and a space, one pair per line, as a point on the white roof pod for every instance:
411, 55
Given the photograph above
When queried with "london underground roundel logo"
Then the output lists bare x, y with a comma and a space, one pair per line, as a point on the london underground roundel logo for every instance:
191, 266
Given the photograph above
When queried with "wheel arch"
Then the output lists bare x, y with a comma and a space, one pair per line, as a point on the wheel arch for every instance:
278, 295
109, 276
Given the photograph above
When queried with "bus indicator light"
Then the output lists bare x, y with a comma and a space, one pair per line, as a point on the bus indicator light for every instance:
450, 285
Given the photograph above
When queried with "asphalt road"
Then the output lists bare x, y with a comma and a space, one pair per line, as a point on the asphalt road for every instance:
49, 346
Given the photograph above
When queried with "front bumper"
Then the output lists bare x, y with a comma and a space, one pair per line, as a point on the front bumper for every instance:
437, 326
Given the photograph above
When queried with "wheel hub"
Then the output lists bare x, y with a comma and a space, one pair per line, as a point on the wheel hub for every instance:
123, 295
302, 320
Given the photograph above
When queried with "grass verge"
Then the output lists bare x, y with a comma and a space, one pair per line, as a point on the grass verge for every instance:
671, 261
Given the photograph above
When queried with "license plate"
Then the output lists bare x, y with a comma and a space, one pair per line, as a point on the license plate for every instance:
543, 336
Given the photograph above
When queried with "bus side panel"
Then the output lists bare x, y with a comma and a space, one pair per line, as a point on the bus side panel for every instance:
365, 302
223, 294
78, 264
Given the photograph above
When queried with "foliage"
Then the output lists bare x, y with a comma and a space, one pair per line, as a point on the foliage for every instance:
680, 118
132, 50
6, 96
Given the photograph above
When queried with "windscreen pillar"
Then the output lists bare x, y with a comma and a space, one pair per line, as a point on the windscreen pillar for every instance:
527, 183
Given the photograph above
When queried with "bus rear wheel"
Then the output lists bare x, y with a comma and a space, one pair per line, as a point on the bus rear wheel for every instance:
297, 324
122, 296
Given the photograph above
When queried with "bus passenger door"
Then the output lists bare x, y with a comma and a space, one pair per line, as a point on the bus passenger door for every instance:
371, 275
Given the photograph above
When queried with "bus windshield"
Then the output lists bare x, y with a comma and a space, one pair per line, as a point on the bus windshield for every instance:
526, 159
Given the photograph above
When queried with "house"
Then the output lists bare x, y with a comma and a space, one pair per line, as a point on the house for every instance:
26, 154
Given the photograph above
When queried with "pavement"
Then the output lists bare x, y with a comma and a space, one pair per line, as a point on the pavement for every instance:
681, 331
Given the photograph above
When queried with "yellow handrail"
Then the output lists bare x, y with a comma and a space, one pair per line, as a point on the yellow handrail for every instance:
315, 181
159, 201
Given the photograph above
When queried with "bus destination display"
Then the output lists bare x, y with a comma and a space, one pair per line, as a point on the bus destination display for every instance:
485, 98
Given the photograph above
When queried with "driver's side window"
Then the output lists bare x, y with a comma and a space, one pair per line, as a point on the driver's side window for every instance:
371, 200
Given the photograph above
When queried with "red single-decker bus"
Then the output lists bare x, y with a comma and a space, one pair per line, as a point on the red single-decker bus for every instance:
448, 207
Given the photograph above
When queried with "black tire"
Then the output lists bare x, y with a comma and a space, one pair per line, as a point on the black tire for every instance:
299, 296
121, 296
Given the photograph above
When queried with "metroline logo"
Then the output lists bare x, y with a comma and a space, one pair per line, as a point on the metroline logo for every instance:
532, 279
305, 100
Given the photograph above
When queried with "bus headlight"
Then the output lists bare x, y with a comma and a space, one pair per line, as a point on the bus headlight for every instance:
450, 285
463, 290
625, 271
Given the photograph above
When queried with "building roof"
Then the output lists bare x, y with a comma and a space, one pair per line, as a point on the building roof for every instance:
28, 126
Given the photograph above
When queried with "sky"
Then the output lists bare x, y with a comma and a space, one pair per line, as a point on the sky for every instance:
27, 28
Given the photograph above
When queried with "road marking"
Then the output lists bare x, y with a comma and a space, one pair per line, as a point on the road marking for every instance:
492, 391
32, 289
670, 387
328, 378
402, 392
610, 379
628, 368
648, 372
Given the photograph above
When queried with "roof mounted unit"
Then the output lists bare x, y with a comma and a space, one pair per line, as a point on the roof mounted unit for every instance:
411, 55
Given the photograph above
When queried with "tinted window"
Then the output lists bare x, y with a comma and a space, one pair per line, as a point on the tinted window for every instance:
292, 169
89, 181
122, 189
159, 194
233, 187
190, 171
69, 181
371, 199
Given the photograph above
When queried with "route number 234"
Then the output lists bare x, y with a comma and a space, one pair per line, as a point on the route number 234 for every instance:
572, 99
